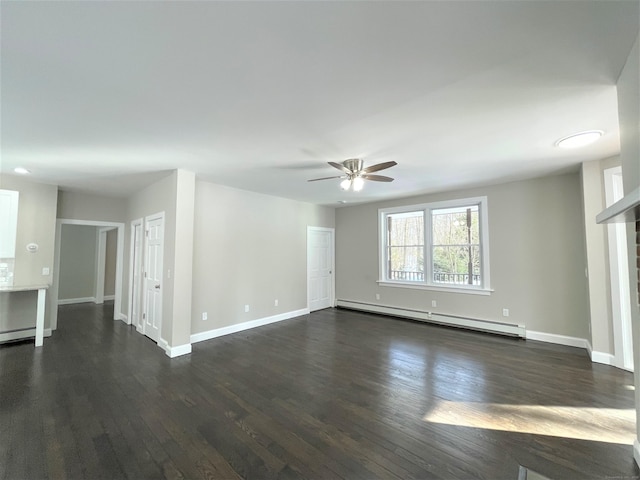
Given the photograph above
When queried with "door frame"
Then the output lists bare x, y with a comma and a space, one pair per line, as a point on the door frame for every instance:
101, 262
332, 293
117, 314
619, 278
138, 222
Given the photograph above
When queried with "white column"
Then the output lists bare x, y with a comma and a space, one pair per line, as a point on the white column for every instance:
42, 292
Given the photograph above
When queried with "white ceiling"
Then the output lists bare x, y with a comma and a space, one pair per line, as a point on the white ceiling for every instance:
106, 96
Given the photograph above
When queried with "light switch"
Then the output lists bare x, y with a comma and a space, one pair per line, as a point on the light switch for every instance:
45, 270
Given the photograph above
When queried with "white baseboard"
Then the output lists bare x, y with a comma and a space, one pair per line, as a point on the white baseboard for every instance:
594, 355
239, 327
108, 298
173, 352
20, 334
124, 318
604, 358
68, 301
438, 318
636, 451
559, 339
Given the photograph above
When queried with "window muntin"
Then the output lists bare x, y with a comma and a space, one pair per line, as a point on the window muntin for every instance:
437, 245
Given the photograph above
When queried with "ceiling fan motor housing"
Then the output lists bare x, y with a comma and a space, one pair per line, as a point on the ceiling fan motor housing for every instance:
354, 164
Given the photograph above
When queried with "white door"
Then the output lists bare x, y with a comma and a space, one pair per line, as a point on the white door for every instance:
152, 315
136, 274
320, 267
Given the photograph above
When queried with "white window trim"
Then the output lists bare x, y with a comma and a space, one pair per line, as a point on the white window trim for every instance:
483, 289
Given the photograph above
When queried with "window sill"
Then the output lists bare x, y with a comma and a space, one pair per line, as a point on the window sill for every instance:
437, 288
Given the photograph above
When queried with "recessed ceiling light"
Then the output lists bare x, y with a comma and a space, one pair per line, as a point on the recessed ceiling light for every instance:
581, 139
21, 171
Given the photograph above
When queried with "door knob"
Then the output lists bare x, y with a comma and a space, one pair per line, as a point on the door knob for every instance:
158, 286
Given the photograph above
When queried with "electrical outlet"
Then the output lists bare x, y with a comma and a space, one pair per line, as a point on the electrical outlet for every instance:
45, 270
377, 296
246, 308
505, 312
204, 315
434, 303
275, 303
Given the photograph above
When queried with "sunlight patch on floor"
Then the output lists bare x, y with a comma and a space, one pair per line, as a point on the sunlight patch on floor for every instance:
609, 425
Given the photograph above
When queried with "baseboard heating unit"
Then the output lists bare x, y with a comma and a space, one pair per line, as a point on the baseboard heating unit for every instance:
489, 326
21, 333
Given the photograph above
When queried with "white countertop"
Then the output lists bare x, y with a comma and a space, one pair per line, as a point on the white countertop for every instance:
23, 288
624, 210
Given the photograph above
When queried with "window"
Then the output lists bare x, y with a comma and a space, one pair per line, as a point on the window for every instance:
441, 245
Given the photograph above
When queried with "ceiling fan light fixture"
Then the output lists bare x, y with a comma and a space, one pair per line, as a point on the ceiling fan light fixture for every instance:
580, 139
354, 173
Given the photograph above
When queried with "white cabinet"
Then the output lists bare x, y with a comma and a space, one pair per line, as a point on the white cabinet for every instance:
8, 229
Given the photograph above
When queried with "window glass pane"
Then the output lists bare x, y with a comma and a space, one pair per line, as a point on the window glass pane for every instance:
405, 253
406, 228
459, 265
406, 263
456, 226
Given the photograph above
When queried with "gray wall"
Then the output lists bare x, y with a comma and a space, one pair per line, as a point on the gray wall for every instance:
83, 206
162, 196
36, 223
77, 277
536, 257
249, 249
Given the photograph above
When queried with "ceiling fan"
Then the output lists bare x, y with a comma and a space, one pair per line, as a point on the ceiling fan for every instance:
356, 173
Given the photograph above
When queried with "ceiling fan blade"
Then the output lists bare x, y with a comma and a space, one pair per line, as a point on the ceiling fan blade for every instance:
379, 166
377, 178
340, 167
326, 178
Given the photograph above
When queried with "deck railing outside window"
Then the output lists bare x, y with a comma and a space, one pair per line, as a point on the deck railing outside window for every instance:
449, 278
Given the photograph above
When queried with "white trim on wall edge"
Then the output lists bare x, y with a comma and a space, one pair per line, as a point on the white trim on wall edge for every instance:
239, 327
19, 334
559, 339
636, 451
68, 301
124, 318
437, 318
107, 298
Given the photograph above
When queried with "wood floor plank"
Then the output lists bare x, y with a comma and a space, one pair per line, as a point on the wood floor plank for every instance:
332, 395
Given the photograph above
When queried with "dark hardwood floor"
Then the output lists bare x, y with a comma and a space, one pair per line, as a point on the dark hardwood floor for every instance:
335, 394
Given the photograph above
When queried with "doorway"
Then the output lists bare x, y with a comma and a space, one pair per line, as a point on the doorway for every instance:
619, 273
55, 287
320, 268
